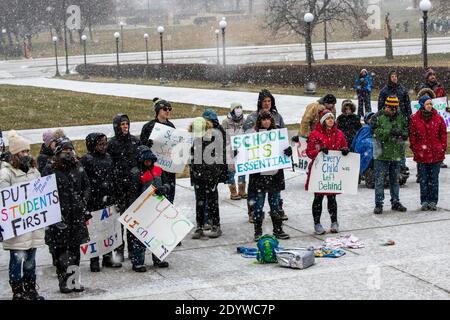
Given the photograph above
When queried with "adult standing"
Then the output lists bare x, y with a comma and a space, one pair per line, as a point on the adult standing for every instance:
348, 122
363, 87
311, 117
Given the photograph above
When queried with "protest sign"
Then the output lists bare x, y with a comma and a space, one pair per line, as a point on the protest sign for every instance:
172, 147
440, 104
335, 173
261, 151
156, 223
29, 206
104, 234
299, 157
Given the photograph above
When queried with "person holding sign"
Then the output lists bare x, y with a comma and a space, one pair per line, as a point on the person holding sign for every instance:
270, 183
326, 136
428, 142
22, 263
74, 192
390, 131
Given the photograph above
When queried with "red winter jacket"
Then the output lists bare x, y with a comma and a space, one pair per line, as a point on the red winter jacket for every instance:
332, 138
149, 176
428, 139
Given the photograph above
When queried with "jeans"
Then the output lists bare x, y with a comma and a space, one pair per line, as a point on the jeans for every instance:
403, 161
364, 102
393, 169
429, 182
231, 180
15, 265
260, 198
317, 207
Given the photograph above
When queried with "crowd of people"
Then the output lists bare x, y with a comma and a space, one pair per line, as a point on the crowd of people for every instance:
116, 171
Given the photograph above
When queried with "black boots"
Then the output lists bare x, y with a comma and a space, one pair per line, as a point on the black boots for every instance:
17, 290
29, 287
258, 228
277, 222
63, 287
251, 213
95, 265
108, 261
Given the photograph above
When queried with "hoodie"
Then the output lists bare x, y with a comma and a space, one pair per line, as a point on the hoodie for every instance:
250, 122
396, 89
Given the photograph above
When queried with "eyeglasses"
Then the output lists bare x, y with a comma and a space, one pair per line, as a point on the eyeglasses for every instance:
167, 109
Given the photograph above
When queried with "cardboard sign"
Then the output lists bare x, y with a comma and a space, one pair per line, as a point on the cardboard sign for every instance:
105, 234
172, 147
156, 223
29, 206
261, 151
440, 104
335, 173
300, 159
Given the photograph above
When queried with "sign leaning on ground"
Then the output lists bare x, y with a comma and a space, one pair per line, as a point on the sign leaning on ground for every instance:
172, 147
261, 151
335, 173
104, 233
156, 223
29, 206
440, 104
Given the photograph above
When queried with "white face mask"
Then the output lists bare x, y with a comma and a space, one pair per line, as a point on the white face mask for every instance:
238, 112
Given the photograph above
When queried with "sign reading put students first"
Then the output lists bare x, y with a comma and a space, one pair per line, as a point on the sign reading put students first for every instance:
261, 151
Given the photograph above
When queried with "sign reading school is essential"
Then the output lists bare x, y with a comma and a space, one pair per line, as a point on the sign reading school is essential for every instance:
440, 104
335, 173
156, 223
104, 233
261, 151
29, 206
171, 147
299, 157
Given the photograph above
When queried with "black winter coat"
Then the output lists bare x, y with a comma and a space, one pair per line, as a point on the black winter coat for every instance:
45, 158
100, 171
349, 125
267, 183
148, 128
402, 94
74, 193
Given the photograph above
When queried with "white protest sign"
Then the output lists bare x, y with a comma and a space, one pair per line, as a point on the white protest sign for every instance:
74, 21
29, 206
300, 159
156, 223
104, 232
440, 104
261, 151
172, 147
335, 173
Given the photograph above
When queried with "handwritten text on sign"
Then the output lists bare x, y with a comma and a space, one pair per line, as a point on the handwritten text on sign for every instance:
29, 206
156, 223
335, 173
440, 104
301, 160
171, 147
104, 232
261, 151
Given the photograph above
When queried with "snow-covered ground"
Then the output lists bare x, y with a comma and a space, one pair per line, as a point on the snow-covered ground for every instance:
416, 267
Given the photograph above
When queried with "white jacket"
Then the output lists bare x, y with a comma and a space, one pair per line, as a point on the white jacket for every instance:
8, 177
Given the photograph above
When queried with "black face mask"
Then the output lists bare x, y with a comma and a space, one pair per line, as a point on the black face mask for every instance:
69, 158
25, 163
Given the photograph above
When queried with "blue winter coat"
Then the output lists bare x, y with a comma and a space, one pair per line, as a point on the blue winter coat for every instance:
362, 144
367, 85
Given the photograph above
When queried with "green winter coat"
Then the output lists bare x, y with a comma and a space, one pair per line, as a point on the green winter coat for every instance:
388, 147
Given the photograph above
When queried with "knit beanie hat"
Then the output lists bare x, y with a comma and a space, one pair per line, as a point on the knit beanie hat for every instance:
17, 143
235, 105
428, 73
47, 137
423, 100
210, 115
330, 99
324, 115
158, 104
392, 101
63, 143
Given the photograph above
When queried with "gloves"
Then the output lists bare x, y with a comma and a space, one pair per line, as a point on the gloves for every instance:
396, 132
288, 151
163, 190
345, 151
324, 150
296, 139
1, 232
405, 137
87, 216
235, 152
447, 109
150, 143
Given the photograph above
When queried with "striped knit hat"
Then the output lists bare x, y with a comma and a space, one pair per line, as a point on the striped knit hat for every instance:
392, 101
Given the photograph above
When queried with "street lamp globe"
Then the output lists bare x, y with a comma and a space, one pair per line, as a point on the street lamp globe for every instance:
425, 5
160, 29
84, 37
55, 38
122, 23
145, 36
421, 20
3, 31
217, 31
116, 35
309, 17
223, 24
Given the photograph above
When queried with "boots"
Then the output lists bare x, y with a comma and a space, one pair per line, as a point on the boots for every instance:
242, 193
95, 264
29, 286
108, 262
17, 289
258, 229
158, 263
62, 278
277, 226
251, 213
233, 192
283, 215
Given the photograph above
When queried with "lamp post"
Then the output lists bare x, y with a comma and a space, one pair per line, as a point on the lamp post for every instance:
6, 49
117, 36
309, 17
421, 30
146, 46
223, 25
217, 32
55, 42
325, 36
66, 49
160, 30
84, 38
425, 6
121, 32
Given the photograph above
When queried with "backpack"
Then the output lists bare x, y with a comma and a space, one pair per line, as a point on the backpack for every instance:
267, 245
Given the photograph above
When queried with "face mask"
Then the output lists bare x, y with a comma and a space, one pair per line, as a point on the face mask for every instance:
69, 157
238, 112
25, 161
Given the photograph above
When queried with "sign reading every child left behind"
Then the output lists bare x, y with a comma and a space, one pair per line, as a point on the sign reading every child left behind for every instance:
440, 104
335, 173
156, 223
104, 233
171, 147
29, 206
261, 151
